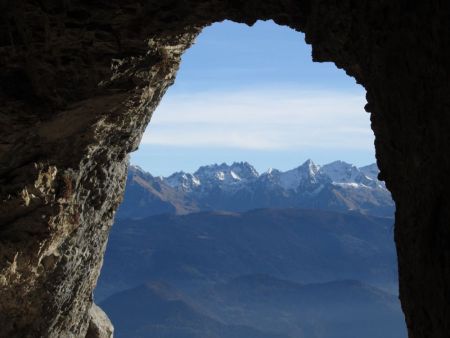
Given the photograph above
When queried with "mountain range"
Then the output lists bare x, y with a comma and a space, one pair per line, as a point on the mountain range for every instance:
337, 186
256, 306
200, 249
227, 252
155, 309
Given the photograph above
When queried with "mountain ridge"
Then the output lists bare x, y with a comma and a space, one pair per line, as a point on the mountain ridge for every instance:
228, 252
157, 310
302, 245
338, 186
256, 306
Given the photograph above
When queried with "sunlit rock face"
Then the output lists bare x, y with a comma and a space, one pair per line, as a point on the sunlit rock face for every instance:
79, 81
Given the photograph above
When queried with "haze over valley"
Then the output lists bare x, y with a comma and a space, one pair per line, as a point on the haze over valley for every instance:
228, 252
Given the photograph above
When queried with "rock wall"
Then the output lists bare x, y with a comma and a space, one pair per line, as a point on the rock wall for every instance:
80, 79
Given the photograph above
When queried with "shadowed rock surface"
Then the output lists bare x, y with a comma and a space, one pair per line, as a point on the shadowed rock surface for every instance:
79, 81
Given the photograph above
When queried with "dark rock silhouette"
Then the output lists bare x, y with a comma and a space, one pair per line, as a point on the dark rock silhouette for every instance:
79, 81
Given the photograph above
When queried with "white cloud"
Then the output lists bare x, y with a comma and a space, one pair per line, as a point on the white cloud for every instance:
262, 119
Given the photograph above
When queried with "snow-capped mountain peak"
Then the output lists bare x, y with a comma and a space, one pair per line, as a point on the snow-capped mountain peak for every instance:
183, 181
306, 174
342, 172
337, 185
239, 173
305, 177
310, 168
244, 170
370, 171
227, 174
235, 176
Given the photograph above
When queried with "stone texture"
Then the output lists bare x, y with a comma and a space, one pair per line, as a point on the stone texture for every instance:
80, 79
99, 324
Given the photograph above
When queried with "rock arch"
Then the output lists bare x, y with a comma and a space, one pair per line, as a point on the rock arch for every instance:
80, 79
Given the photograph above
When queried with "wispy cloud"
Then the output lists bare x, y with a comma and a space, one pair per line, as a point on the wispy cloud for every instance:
262, 119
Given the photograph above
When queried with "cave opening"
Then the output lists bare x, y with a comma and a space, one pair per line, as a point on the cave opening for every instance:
79, 81
240, 97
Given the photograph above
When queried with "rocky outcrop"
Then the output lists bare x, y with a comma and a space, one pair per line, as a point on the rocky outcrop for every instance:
99, 324
79, 81
64, 155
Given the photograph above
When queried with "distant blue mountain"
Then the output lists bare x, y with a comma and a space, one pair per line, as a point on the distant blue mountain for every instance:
154, 310
208, 247
337, 309
226, 252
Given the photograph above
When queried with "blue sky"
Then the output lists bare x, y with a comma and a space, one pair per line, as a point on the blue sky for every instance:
253, 94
